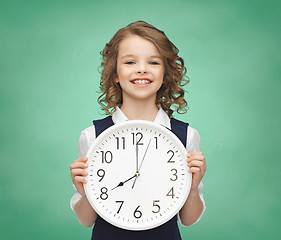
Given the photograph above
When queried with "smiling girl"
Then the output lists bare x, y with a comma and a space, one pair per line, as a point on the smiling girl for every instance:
141, 79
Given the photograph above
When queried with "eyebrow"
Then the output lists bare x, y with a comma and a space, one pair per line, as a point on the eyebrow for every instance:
131, 55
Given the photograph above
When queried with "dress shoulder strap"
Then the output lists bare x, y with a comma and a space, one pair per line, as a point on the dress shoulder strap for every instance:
102, 124
180, 129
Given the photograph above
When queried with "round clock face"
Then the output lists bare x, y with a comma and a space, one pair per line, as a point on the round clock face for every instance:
137, 176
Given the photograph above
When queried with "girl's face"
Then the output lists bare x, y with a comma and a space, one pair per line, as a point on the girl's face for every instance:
140, 69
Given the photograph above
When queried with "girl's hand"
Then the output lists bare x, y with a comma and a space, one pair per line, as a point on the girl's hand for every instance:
78, 173
197, 166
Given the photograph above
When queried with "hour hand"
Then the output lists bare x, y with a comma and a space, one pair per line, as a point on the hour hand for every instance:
122, 183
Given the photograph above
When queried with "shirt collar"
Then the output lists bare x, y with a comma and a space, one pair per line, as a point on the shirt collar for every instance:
161, 118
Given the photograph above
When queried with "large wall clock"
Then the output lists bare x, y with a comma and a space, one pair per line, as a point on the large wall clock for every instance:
137, 177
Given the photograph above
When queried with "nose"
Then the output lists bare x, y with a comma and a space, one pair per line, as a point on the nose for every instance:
141, 69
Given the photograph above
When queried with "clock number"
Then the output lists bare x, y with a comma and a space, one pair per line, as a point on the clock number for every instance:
104, 195
137, 213
175, 174
120, 205
156, 205
170, 160
101, 174
171, 193
106, 156
156, 142
135, 137
118, 142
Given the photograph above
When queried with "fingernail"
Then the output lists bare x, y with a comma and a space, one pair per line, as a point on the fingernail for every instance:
188, 155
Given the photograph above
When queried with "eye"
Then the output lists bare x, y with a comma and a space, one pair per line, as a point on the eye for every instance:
130, 62
154, 63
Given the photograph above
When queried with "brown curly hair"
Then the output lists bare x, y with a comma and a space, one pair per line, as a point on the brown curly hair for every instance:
170, 96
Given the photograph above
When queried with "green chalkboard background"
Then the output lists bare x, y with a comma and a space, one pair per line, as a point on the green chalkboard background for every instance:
49, 61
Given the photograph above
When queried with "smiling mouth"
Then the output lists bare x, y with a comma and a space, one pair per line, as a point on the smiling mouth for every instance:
141, 81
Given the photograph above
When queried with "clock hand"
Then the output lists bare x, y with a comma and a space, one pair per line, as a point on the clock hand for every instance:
134, 182
122, 183
138, 171
137, 157
144, 155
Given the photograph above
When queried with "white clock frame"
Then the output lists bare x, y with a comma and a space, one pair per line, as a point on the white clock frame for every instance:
109, 166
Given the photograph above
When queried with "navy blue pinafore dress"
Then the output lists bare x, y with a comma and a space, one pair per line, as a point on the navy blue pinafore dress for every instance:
168, 231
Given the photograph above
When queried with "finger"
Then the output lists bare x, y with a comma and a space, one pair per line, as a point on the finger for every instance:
197, 173
195, 170
80, 179
195, 153
196, 163
81, 159
78, 165
195, 157
78, 172
196, 177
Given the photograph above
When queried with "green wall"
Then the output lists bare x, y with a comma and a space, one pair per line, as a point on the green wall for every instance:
49, 81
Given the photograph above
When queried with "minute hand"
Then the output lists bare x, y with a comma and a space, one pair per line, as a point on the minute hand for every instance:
137, 157
138, 171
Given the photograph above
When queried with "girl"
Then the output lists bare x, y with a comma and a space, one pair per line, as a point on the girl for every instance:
141, 78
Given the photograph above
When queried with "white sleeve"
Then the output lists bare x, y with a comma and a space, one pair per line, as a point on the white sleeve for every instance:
86, 138
192, 145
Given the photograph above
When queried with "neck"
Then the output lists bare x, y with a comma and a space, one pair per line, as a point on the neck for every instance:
140, 110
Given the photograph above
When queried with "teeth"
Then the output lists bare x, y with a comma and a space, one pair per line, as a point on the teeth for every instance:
141, 81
